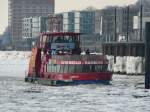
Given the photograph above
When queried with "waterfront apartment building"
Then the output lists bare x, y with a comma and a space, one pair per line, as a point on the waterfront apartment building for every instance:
31, 29
79, 21
19, 9
33, 26
114, 23
82, 22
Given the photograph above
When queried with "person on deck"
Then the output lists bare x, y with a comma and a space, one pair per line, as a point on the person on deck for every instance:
87, 51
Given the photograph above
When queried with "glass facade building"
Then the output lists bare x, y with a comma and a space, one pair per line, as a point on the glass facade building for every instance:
79, 21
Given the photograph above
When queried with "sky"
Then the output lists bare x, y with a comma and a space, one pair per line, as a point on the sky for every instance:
64, 6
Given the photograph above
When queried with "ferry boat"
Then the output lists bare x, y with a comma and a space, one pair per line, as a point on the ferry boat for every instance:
56, 60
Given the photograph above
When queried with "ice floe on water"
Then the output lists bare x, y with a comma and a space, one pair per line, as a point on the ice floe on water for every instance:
14, 63
127, 64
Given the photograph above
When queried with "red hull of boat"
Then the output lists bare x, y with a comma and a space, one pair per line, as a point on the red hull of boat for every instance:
78, 76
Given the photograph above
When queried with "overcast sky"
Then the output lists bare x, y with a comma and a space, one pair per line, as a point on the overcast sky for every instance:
63, 6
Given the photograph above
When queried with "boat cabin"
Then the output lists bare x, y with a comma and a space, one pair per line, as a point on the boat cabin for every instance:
60, 43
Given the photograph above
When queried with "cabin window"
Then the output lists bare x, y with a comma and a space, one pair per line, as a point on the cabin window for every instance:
71, 69
85, 68
61, 68
88, 68
65, 68
98, 68
70, 39
53, 68
58, 68
49, 68
93, 68
78, 68
64, 39
58, 40
104, 67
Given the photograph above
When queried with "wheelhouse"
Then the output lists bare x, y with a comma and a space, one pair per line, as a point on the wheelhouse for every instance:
60, 42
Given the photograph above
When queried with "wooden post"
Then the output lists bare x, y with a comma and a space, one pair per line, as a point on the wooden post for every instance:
147, 56
115, 25
141, 19
128, 11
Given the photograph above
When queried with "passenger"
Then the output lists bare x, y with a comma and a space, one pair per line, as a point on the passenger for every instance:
66, 40
76, 50
47, 56
79, 51
69, 52
87, 51
73, 51
63, 51
59, 52
44, 51
53, 52
49, 51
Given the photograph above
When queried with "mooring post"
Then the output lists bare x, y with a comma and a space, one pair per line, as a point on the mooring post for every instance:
147, 56
141, 19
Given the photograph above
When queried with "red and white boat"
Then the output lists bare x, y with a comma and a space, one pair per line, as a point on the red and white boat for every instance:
56, 60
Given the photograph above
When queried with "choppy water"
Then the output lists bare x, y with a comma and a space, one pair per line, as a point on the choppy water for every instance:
125, 94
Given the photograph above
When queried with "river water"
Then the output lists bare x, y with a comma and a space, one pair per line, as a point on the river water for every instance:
124, 94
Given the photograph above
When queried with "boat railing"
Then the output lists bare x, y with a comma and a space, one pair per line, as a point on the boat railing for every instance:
77, 64
80, 57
